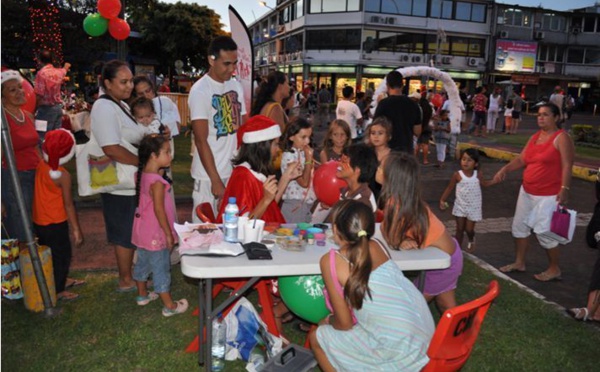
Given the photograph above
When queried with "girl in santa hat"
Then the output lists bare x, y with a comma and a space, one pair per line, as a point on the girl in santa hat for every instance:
53, 208
253, 182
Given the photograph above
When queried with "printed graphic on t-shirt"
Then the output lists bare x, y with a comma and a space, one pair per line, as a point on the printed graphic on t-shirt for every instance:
228, 113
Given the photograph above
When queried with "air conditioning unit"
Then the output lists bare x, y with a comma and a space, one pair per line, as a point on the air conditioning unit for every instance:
446, 60
503, 34
404, 58
575, 30
542, 69
390, 20
539, 35
472, 62
377, 19
416, 59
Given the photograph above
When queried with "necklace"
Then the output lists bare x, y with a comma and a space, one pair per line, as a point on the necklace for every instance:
21, 120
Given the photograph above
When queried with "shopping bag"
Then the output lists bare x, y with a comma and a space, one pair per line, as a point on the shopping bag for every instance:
562, 225
246, 330
11, 277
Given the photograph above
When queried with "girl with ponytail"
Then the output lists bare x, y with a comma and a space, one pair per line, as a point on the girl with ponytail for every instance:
378, 318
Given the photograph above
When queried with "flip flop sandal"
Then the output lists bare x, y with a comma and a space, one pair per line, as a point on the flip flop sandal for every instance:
576, 314
511, 268
68, 296
133, 288
286, 317
545, 277
75, 283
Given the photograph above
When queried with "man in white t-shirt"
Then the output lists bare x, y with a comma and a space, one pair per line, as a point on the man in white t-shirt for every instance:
217, 109
349, 112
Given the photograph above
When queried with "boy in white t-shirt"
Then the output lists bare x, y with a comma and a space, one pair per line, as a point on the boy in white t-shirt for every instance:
348, 111
217, 110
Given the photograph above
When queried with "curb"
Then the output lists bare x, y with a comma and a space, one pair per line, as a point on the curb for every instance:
584, 173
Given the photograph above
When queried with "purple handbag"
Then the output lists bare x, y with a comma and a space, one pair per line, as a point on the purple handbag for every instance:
560, 222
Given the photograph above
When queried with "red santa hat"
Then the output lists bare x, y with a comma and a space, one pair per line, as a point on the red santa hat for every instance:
258, 129
58, 148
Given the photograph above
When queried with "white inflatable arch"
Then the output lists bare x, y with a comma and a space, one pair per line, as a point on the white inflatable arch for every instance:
456, 104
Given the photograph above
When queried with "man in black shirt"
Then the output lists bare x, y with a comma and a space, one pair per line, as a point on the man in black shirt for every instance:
404, 114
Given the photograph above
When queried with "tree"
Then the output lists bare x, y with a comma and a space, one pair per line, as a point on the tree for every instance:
173, 32
17, 48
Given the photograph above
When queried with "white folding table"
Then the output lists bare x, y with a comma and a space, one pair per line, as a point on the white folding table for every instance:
284, 263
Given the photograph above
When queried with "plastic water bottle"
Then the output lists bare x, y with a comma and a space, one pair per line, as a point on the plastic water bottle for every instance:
230, 221
257, 359
219, 336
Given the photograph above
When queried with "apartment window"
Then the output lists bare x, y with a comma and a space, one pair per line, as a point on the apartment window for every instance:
333, 39
575, 55
373, 6
299, 8
441, 9
470, 12
589, 24
462, 46
517, 17
550, 53
331, 6
553, 22
592, 56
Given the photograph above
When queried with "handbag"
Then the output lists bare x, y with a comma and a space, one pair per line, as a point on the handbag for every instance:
562, 225
97, 173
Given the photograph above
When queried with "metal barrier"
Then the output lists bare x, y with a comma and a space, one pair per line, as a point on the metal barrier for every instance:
181, 100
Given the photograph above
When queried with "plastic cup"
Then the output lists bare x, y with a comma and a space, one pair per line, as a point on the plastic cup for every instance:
253, 231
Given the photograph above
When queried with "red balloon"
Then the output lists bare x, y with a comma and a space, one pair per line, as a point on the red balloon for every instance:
118, 28
109, 9
29, 104
437, 100
326, 185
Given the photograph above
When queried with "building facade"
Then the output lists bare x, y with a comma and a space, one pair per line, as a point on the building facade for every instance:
357, 42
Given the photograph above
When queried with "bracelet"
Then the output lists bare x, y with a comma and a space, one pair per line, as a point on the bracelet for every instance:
308, 163
565, 187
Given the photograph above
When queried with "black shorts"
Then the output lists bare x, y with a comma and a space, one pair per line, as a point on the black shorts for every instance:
516, 114
119, 211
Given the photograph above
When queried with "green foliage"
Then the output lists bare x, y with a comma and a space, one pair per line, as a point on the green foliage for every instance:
173, 32
585, 134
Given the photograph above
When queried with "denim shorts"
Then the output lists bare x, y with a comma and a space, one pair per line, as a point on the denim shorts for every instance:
119, 211
157, 263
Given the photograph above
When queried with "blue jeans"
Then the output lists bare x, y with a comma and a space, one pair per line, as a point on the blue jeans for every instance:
12, 223
157, 263
52, 115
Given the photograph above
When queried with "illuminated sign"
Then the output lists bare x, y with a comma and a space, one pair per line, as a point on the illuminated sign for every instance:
515, 55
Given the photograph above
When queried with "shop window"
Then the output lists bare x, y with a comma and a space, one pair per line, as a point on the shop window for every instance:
575, 55
333, 39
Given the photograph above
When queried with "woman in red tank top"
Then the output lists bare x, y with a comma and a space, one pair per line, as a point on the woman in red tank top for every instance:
547, 160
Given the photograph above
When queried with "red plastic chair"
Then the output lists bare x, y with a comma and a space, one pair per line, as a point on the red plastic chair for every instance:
457, 331
205, 213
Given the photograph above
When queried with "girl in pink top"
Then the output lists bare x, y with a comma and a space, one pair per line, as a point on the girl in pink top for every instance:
153, 232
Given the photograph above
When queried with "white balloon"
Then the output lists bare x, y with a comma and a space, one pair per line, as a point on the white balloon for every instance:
456, 105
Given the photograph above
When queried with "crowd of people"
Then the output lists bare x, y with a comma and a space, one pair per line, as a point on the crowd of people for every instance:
264, 156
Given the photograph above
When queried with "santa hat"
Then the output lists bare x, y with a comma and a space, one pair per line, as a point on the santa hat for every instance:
10, 75
258, 129
58, 148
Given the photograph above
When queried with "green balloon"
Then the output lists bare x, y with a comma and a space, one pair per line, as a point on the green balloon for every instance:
95, 24
303, 295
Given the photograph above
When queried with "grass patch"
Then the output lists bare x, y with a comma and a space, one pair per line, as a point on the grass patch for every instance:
521, 139
103, 330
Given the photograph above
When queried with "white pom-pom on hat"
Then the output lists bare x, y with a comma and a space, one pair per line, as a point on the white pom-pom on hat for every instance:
58, 148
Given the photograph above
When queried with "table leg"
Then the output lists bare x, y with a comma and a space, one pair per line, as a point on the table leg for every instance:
209, 314
421, 280
201, 312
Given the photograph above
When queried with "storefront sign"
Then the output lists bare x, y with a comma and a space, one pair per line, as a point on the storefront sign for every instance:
515, 55
526, 79
333, 69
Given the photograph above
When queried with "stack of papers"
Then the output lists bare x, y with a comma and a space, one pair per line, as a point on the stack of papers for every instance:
204, 239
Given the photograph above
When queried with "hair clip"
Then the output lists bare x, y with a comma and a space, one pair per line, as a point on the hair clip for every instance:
362, 233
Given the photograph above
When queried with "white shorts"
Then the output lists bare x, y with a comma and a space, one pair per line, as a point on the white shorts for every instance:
534, 213
203, 194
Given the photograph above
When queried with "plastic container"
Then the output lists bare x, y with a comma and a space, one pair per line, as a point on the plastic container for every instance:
293, 358
230, 221
219, 336
257, 359
31, 291
291, 243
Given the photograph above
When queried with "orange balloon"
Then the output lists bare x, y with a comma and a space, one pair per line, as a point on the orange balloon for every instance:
326, 185
29, 104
